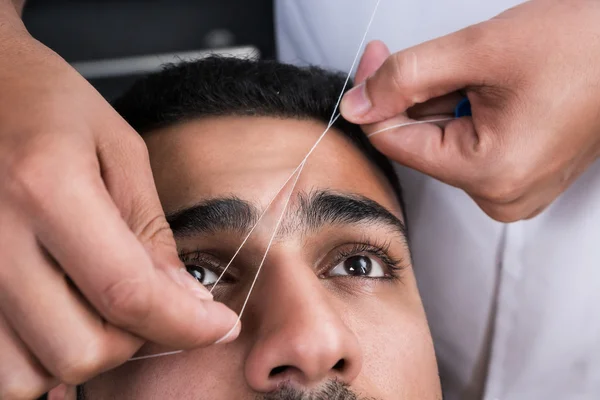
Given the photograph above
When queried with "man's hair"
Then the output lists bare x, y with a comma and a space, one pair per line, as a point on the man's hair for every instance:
225, 86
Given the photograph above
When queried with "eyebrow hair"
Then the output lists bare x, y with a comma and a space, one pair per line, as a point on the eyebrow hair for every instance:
325, 207
214, 215
314, 210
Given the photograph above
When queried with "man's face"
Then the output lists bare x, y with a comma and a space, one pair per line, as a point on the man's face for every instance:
335, 309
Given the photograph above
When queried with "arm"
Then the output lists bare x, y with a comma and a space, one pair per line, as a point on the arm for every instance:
77, 200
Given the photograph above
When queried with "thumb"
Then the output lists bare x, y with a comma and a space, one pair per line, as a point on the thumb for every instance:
412, 76
376, 52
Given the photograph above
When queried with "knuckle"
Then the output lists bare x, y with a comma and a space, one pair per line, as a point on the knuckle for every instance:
503, 181
80, 363
475, 35
404, 72
502, 191
24, 174
138, 146
502, 214
127, 302
156, 231
35, 168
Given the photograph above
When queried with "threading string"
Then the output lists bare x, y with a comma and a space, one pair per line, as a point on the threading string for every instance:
332, 120
299, 167
168, 353
262, 262
389, 128
297, 171
362, 42
252, 229
334, 117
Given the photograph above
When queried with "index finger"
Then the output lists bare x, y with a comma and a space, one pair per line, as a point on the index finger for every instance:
84, 232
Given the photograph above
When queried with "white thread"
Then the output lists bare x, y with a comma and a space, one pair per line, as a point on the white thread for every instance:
252, 230
262, 262
301, 165
332, 120
362, 42
334, 117
168, 353
389, 128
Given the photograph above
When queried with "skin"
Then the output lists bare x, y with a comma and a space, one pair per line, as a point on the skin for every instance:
531, 136
299, 314
57, 133
532, 79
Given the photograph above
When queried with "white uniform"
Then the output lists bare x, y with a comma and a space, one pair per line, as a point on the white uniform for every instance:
514, 309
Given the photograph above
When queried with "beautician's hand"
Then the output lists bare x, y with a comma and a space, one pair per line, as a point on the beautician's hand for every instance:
533, 80
88, 264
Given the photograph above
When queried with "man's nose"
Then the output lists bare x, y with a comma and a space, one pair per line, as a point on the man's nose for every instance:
300, 339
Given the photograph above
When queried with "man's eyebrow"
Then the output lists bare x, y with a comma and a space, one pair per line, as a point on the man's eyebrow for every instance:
324, 207
214, 215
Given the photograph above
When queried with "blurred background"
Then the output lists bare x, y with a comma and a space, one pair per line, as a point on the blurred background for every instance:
113, 42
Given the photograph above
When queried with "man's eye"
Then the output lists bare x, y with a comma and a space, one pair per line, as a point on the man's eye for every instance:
203, 275
363, 266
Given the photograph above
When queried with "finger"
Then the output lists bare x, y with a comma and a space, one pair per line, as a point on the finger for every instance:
445, 153
128, 178
444, 105
376, 52
70, 340
63, 392
529, 204
520, 209
415, 75
21, 376
77, 222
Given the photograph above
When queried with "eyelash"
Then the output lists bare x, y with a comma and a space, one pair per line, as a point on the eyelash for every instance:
202, 259
381, 251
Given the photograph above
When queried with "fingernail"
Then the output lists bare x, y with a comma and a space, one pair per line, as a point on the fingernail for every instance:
232, 334
185, 280
356, 103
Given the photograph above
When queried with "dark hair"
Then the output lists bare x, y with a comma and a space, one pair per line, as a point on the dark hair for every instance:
223, 86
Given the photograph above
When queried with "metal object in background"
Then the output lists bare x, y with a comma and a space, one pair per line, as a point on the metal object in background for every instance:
137, 65
114, 42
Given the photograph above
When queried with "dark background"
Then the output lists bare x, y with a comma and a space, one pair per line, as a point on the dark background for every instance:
92, 30
95, 30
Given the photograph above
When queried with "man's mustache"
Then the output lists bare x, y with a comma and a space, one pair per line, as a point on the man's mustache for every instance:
333, 390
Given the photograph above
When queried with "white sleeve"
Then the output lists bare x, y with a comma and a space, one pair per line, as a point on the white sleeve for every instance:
327, 32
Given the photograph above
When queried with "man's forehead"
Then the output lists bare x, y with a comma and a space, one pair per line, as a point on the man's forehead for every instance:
252, 157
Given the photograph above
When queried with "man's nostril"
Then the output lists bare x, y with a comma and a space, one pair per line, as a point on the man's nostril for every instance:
340, 365
278, 370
